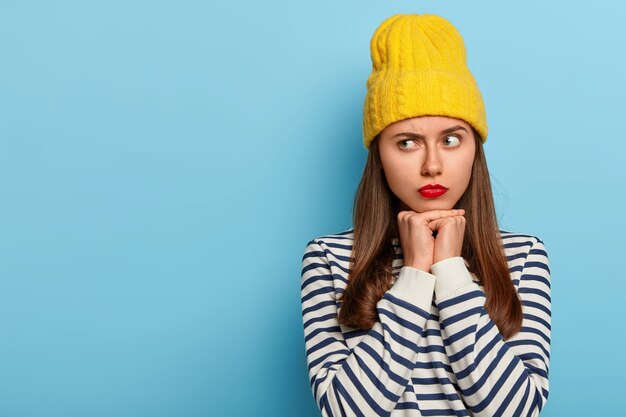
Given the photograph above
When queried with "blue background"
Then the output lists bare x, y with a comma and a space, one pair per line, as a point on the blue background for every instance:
164, 163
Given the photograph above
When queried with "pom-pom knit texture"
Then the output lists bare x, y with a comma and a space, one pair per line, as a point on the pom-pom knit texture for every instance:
419, 68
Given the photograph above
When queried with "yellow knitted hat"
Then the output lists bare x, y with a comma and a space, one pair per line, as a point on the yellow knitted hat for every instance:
419, 68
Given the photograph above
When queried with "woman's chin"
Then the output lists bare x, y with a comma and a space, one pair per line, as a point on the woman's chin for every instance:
431, 205
427, 204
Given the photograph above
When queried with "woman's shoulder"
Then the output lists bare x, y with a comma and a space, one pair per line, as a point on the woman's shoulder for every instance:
345, 234
517, 243
516, 238
337, 242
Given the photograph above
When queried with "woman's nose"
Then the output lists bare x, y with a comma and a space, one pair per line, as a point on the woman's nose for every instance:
432, 164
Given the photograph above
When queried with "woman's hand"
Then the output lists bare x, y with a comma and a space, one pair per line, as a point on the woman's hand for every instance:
419, 247
450, 233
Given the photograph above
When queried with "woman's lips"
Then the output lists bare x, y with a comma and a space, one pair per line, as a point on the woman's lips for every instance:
432, 190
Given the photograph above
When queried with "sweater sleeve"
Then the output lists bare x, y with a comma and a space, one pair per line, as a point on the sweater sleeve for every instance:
497, 377
369, 379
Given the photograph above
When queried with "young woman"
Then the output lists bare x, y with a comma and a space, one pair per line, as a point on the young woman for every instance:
425, 307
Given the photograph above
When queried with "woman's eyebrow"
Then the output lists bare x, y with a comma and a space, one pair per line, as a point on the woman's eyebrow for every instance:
443, 132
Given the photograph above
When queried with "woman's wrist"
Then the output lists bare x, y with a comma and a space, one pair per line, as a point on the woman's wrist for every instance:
421, 265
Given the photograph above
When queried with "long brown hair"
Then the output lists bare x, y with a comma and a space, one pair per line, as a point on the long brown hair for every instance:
375, 225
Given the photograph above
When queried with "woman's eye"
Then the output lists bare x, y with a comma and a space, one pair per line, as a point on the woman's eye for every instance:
454, 142
402, 142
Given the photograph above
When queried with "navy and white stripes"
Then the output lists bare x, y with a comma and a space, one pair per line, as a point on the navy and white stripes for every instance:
435, 351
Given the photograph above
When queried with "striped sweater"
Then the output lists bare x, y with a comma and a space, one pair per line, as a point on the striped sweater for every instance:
434, 351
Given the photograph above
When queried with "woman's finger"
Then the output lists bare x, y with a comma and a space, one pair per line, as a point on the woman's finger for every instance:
438, 214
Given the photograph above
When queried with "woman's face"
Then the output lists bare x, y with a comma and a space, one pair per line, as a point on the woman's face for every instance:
427, 150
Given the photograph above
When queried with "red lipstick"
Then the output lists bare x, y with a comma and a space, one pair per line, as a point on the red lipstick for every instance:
432, 190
